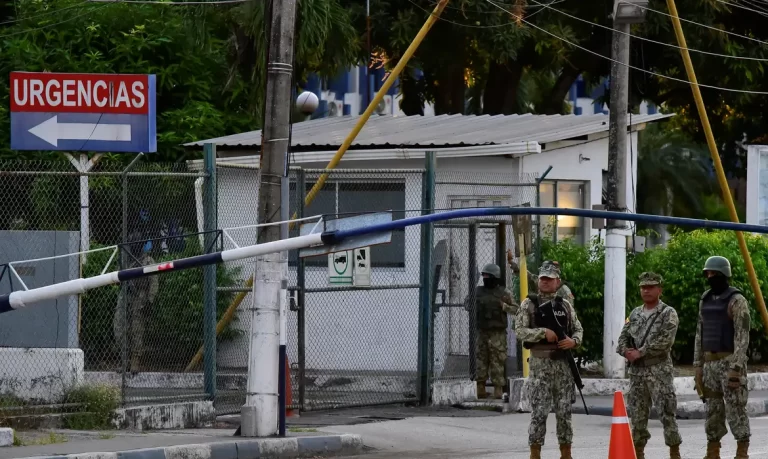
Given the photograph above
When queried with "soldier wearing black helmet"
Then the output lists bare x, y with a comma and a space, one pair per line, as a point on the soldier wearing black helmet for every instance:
493, 303
720, 358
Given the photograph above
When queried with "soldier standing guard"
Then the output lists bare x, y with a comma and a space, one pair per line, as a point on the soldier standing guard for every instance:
493, 303
551, 382
720, 358
646, 341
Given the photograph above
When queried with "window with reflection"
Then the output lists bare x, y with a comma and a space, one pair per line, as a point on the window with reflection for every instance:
564, 194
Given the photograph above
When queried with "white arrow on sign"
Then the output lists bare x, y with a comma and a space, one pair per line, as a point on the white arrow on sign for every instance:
52, 131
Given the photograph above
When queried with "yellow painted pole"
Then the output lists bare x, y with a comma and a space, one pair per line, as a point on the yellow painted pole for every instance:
716, 160
523, 293
230, 313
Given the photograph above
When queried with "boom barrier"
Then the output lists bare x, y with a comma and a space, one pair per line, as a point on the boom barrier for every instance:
23, 298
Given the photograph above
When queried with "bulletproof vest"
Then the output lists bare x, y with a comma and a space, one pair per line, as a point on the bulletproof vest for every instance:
490, 315
544, 319
717, 327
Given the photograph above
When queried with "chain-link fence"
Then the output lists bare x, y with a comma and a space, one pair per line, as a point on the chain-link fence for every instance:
126, 338
464, 246
352, 340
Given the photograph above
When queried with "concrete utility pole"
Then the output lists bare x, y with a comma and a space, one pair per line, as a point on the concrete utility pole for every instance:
626, 12
259, 415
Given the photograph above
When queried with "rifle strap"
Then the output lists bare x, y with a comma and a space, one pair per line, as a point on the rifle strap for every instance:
650, 326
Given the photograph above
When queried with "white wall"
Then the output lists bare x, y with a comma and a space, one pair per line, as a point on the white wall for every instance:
564, 159
757, 184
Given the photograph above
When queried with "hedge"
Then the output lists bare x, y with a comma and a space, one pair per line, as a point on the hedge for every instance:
680, 263
174, 328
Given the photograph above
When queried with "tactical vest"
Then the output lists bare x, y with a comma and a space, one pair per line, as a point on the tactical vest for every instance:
539, 320
490, 315
717, 330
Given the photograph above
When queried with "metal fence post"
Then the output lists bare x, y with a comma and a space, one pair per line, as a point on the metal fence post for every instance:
209, 273
501, 254
472, 281
301, 317
425, 274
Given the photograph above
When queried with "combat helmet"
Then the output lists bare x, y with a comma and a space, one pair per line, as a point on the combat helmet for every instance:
719, 264
492, 270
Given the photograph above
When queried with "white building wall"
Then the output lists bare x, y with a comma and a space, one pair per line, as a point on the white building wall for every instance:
378, 330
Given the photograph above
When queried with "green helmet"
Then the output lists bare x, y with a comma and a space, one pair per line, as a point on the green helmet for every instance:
719, 264
492, 270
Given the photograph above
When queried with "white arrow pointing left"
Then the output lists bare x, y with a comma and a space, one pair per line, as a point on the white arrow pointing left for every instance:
52, 131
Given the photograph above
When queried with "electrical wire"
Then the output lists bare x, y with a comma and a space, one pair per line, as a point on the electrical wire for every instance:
564, 40
746, 8
746, 58
475, 26
35, 29
158, 2
704, 25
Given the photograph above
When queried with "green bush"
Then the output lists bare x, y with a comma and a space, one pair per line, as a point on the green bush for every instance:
174, 328
680, 263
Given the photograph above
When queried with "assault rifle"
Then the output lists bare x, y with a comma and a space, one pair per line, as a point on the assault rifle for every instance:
560, 332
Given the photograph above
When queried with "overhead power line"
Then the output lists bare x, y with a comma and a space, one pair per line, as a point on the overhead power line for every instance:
564, 40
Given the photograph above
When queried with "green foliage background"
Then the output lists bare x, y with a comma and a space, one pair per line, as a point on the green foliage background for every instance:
680, 263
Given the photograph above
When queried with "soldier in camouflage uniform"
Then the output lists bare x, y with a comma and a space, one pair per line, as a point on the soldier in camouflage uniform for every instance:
492, 304
720, 358
551, 382
563, 291
646, 341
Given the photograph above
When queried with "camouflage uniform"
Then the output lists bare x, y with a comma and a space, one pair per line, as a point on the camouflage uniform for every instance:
652, 333
140, 294
721, 368
492, 304
551, 383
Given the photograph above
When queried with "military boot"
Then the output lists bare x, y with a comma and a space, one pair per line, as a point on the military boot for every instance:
640, 451
498, 392
565, 452
674, 452
713, 450
535, 451
481, 394
741, 450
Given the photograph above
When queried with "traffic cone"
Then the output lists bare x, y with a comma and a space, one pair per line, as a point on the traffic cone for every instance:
621, 445
289, 413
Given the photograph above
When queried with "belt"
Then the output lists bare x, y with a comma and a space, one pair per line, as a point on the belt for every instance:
715, 356
553, 354
650, 361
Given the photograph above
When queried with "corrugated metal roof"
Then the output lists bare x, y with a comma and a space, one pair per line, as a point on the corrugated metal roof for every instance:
435, 131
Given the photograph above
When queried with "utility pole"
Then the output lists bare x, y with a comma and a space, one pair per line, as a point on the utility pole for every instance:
626, 12
260, 414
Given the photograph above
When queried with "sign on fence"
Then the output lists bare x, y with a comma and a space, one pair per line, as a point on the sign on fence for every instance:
340, 267
83, 112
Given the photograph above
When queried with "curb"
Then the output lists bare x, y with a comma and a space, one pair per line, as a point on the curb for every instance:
314, 446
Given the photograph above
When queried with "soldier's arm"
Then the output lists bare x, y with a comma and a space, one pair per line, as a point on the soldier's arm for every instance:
697, 353
578, 330
533, 283
661, 339
508, 303
624, 338
523, 329
741, 325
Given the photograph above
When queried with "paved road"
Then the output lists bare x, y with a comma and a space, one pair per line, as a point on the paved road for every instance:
506, 437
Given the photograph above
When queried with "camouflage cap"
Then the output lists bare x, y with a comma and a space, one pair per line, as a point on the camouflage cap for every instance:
549, 269
649, 278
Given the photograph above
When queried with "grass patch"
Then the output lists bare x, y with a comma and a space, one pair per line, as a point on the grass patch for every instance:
301, 429
106, 436
97, 405
50, 439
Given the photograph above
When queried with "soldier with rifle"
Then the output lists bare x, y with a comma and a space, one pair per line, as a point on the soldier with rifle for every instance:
547, 325
646, 342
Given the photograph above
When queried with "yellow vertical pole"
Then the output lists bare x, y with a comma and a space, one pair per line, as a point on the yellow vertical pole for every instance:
523, 293
716, 160
230, 312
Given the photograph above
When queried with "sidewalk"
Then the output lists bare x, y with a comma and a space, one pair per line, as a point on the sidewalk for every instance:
178, 444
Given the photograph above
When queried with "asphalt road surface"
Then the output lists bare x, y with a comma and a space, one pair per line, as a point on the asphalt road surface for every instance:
506, 437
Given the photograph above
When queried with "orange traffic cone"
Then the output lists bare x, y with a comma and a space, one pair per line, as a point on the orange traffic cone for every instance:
621, 445
288, 390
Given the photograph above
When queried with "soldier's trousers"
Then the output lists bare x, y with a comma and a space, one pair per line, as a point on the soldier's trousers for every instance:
551, 386
133, 325
491, 356
724, 403
652, 385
